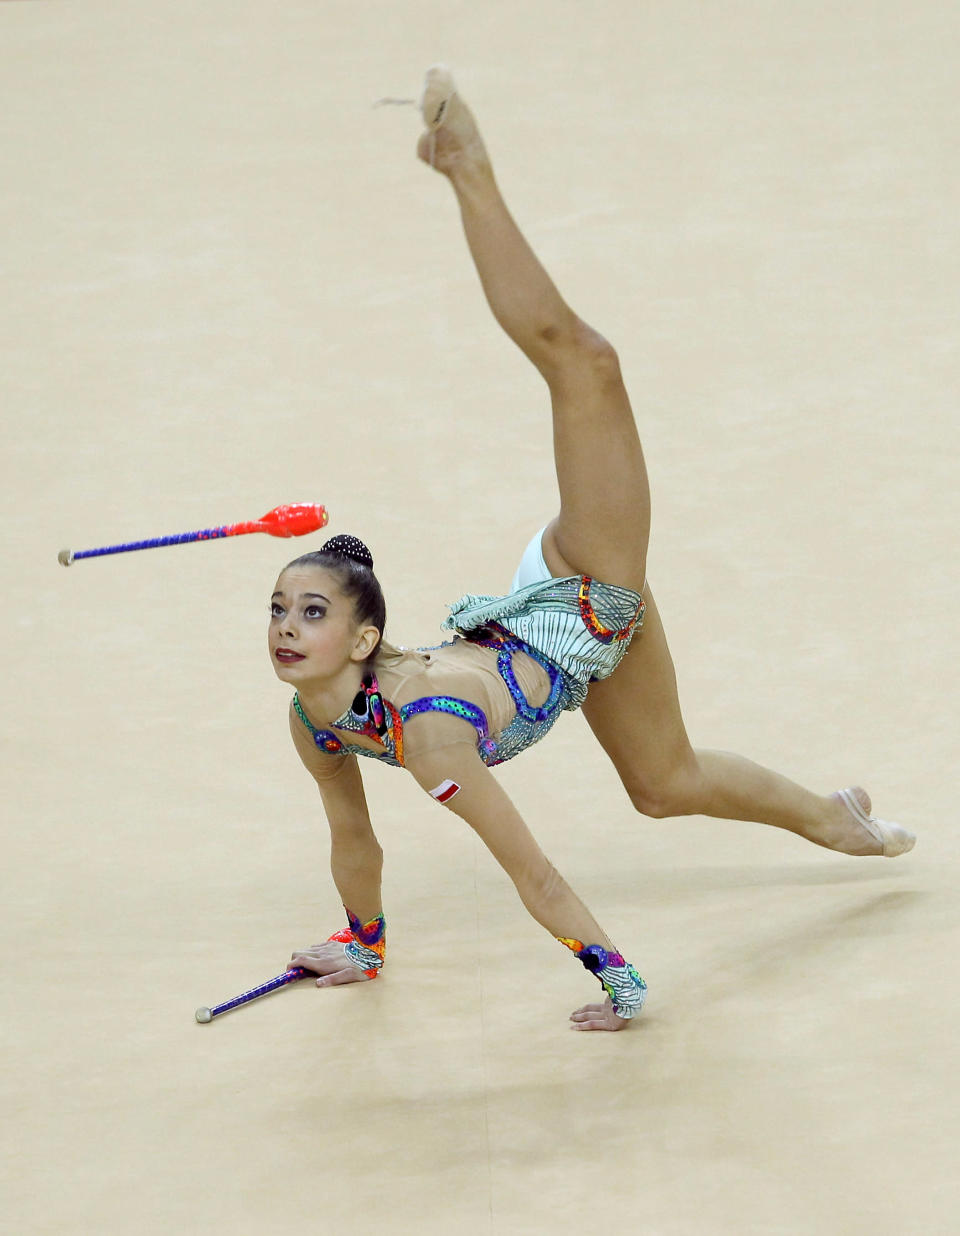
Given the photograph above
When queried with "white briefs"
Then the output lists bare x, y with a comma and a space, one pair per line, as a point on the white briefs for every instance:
533, 568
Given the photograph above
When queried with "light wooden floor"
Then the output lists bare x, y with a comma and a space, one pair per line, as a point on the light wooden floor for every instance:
227, 285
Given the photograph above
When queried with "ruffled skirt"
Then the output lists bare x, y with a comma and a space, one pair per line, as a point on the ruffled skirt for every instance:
581, 625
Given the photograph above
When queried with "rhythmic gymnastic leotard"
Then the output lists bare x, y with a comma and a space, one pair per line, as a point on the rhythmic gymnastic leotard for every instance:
517, 663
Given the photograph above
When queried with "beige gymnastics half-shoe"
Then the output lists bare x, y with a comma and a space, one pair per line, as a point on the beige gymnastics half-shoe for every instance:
892, 837
451, 142
438, 89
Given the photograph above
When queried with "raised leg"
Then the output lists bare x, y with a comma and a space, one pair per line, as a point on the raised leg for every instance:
604, 519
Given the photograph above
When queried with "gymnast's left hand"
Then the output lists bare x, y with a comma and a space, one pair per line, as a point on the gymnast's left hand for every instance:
598, 1017
328, 961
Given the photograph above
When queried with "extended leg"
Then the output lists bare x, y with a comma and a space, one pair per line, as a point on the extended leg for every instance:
604, 520
635, 715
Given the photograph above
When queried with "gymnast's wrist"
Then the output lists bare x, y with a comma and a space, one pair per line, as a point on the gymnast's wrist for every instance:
364, 944
619, 979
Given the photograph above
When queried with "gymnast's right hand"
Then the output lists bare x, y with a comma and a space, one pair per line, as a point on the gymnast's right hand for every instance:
329, 962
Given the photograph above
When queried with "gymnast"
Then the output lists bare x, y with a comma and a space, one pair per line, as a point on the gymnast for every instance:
579, 629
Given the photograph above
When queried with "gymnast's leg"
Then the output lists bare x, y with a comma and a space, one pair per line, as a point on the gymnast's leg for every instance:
599, 462
635, 715
604, 521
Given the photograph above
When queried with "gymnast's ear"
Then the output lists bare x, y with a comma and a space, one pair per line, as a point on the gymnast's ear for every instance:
367, 641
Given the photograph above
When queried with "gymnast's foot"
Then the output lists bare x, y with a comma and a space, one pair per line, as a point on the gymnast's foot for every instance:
452, 143
853, 830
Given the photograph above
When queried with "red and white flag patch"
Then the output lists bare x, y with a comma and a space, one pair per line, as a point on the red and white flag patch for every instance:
445, 791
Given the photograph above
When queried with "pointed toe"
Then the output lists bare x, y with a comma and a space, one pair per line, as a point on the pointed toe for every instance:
896, 839
893, 839
438, 89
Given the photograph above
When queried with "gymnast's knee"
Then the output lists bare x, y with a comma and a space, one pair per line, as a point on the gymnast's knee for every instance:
579, 347
665, 795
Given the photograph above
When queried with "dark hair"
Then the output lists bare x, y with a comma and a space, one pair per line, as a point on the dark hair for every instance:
351, 562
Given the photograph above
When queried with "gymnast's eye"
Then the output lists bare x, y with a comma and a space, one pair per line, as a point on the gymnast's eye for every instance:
276, 611
315, 611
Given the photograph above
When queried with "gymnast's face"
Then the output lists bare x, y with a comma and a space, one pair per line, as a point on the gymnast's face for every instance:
314, 634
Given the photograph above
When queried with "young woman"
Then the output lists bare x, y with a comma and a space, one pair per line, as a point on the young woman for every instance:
448, 713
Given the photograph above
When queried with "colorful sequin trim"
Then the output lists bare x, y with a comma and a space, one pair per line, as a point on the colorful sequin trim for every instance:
498, 637
601, 633
451, 705
367, 715
619, 979
326, 740
364, 944
394, 735
375, 717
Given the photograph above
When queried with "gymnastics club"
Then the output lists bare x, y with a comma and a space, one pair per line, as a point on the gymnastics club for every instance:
297, 519
289, 976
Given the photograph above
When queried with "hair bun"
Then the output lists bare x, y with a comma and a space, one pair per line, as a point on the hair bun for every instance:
348, 547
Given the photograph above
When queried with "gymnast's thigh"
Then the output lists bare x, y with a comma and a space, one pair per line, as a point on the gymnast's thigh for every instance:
635, 713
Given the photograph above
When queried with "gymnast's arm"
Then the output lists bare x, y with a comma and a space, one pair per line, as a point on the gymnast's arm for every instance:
482, 802
356, 859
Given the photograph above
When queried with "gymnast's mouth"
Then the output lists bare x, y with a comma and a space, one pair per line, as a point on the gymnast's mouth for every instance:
288, 656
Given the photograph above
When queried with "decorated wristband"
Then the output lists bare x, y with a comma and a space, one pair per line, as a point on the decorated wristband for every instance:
620, 980
364, 944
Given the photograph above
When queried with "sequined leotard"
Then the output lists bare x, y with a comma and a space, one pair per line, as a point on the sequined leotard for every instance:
518, 662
